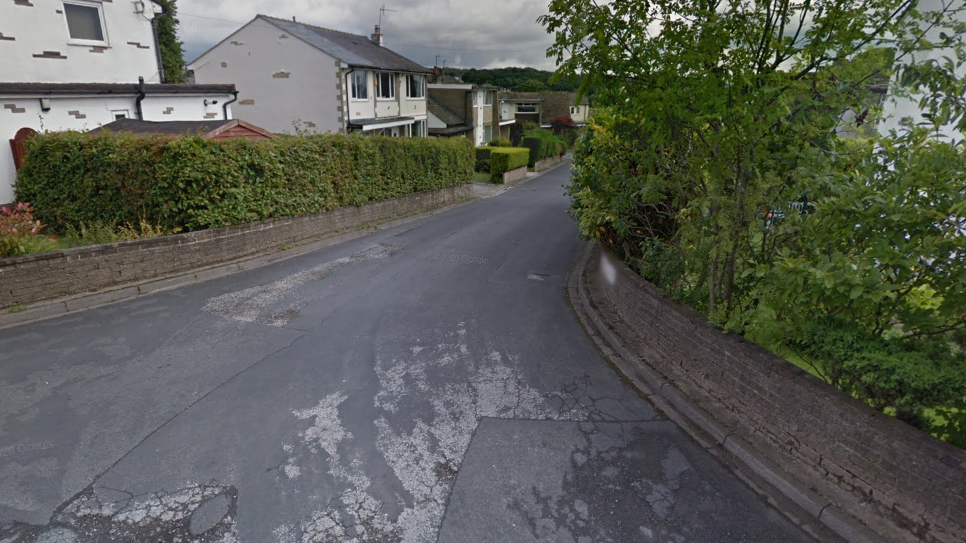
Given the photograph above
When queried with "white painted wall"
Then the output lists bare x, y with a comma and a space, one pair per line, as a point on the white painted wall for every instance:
895, 109
256, 59
435, 122
91, 112
30, 30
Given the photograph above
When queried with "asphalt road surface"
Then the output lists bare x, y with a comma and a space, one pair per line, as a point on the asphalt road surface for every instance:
424, 383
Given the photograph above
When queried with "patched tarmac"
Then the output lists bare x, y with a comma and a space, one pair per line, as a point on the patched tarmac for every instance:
373, 391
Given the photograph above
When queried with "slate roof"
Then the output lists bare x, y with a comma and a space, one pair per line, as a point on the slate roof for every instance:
442, 112
354, 50
171, 128
176, 128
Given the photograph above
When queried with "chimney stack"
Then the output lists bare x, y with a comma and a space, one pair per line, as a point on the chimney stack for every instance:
377, 36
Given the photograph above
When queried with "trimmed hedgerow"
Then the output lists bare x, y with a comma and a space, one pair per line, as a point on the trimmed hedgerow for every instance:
73, 179
542, 144
504, 159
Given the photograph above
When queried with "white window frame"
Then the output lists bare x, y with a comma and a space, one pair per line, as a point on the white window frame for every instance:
121, 114
420, 127
392, 86
100, 13
419, 86
487, 98
354, 87
528, 105
487, 128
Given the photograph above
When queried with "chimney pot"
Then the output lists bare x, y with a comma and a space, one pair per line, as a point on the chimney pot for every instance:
377, 36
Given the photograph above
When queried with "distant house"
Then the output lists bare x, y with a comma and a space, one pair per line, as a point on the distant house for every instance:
472, 111
293, 76
75, 65
541, 107
211, 130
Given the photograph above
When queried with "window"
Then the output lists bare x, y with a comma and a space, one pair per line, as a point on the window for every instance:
418, 129
527, 108
85, 23
488, 98
575, 110
487, 134
385, 86
360, 90
120, 114
415, 86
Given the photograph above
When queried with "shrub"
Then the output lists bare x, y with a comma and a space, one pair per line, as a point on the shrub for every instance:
563, 124
542, 144
20, 232
483, 159
192, 183
899, 376
504, 159
501, 142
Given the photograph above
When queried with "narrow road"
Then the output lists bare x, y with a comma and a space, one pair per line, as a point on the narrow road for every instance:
426, 383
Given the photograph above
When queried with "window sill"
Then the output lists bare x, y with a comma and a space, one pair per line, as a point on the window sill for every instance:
385, 99
86, 43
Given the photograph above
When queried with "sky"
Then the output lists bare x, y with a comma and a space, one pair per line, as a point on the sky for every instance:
464, 33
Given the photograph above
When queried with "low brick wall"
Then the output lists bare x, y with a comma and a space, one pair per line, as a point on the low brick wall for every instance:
34, 278
546, 163
515, 176
903, 484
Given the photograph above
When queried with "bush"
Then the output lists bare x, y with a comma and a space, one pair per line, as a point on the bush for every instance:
192, 183
562, 124
542, 144
501, 142
483, 159
504, 159
20, 232
904, 377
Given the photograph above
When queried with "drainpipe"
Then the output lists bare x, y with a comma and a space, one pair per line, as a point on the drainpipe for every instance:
348, 102
141, 95
228, 103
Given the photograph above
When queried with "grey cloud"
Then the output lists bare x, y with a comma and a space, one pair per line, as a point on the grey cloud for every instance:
468, 33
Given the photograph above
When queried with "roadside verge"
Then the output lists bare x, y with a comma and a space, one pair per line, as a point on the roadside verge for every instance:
838, 469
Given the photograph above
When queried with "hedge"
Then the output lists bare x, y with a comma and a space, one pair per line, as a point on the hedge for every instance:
483, 159
192, 183
504, 159
542, 144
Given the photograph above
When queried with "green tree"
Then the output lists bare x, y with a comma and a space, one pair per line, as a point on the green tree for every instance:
172, 49
530, 85
716, 164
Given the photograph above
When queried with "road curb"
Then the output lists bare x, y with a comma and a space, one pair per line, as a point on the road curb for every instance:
73, 304
809, 510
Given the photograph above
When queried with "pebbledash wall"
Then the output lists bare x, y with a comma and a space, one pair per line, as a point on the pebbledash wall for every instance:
903, 484
35, 278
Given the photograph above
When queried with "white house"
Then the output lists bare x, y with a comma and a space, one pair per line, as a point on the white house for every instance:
293, 76
75, 65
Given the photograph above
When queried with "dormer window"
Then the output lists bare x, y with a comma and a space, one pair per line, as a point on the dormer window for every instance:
85, 23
